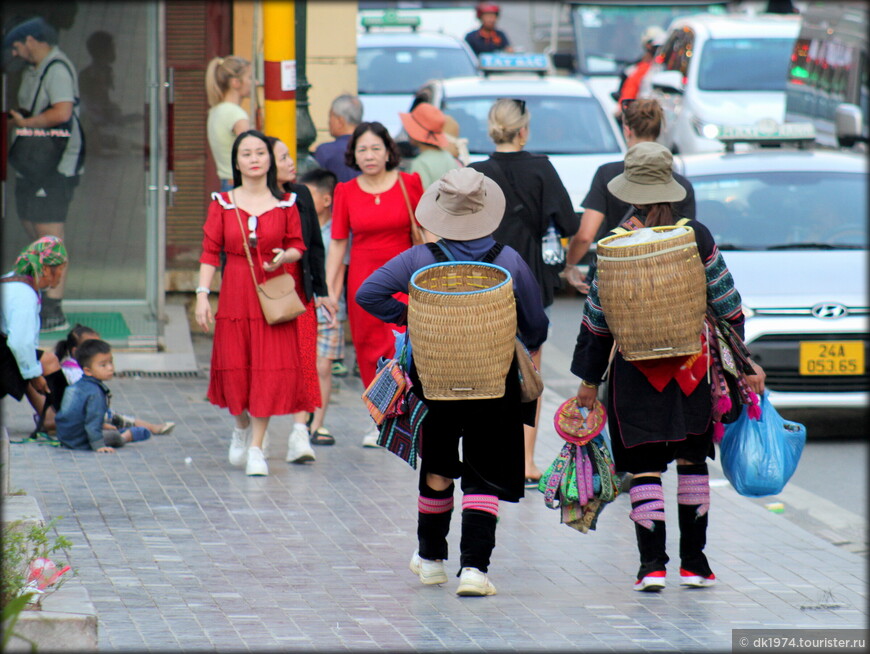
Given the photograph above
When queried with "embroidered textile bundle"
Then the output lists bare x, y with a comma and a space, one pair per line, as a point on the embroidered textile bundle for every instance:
581, 481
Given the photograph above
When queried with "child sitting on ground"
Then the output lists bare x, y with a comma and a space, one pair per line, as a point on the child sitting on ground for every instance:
330, 340
65, 351
80, 421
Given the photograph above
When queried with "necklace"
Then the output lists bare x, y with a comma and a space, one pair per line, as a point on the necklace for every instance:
378, 198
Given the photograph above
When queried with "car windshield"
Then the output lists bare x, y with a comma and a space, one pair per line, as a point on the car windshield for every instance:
608, 35
783, 210
559, 124
744, 64
403, 70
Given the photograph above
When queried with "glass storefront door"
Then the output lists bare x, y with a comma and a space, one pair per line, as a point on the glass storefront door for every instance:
113, 224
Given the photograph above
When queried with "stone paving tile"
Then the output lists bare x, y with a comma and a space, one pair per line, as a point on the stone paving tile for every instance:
196, 556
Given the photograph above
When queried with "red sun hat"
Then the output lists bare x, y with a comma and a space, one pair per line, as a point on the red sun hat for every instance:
425, 124
577, 425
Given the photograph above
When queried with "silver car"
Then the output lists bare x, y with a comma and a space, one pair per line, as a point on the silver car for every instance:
792, 226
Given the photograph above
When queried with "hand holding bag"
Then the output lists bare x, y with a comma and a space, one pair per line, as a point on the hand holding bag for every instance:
278, 297
416, 234
760, 456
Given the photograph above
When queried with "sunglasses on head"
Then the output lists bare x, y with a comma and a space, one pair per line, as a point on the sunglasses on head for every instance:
252, 229
624, 103
521, 104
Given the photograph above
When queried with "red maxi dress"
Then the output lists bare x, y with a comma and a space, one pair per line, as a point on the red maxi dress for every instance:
268, 370
381, 228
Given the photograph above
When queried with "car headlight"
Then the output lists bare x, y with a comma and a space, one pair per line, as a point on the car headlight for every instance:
707, 130
747, 312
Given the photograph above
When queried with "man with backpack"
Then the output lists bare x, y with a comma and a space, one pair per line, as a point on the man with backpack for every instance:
47, 149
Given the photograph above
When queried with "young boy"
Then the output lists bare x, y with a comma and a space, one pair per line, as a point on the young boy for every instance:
330, 340
80, 419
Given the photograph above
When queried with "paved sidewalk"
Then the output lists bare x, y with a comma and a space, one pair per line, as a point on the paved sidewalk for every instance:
184, 556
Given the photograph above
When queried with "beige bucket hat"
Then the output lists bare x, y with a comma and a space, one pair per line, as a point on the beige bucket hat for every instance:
648, 176
463, 205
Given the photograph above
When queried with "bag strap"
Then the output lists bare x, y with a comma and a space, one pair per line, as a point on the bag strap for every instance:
443, 254
414, 226
244, 240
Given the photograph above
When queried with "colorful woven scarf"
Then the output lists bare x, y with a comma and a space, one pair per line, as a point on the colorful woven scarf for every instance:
47, 251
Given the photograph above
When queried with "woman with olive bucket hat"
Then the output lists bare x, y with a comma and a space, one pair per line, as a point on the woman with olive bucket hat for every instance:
660, 410
464, 208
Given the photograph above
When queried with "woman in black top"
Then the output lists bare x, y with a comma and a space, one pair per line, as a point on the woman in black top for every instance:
535, 199
602, 211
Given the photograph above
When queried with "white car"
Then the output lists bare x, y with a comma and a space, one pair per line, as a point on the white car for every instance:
568, 122
716, 70
792, 227
392, 65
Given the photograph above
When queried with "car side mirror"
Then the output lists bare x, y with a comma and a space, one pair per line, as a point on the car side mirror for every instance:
564, 61
849, 125
667, 81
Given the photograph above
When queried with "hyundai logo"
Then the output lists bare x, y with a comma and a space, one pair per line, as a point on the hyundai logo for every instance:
829, 311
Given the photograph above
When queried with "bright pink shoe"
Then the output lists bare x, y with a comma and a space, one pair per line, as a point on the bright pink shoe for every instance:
651, 583
696, 581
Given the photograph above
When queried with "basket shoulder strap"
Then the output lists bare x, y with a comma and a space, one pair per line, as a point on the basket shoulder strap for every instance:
492, 253
681, 222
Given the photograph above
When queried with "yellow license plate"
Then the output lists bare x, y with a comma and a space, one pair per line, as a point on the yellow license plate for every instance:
832, 358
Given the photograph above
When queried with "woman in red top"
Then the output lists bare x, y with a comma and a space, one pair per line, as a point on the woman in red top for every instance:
257, 370
371, 211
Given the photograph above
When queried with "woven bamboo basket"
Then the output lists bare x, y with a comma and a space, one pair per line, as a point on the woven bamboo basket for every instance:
462, 322
654, 295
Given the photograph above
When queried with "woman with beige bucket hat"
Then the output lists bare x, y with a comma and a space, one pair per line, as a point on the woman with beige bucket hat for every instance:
660, 410
464, 208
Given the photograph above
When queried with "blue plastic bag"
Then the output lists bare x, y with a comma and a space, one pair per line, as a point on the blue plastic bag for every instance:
760, 456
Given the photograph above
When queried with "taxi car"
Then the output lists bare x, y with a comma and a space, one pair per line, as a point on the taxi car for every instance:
716, 70
391, 65
568, 122
792, 226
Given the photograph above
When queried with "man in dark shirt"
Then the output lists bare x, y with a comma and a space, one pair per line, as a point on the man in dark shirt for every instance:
488, 38
344, 115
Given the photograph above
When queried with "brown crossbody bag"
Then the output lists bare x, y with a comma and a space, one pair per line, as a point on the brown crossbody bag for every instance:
278, 297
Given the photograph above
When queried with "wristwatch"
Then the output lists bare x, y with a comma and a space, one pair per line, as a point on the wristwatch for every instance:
202, 289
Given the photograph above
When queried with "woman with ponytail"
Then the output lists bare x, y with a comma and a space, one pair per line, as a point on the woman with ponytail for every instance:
227, 82
24, 368
661, 410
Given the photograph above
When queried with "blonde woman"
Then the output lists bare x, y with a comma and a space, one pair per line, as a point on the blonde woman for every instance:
536, 199
227, 82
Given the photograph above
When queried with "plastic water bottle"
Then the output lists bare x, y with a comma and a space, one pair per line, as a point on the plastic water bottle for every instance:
551, 248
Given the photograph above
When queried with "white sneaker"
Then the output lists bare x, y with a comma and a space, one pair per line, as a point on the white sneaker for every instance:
239, 446
430, 571
371, 438
257, 465
474, 583
298, 445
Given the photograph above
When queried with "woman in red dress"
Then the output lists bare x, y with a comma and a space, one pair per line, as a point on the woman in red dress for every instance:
372, 212
257, 370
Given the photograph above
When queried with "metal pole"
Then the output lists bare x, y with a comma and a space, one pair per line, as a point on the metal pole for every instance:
306, 133
279, 71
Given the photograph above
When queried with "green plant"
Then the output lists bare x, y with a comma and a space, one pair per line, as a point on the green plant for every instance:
11, 612
21, 545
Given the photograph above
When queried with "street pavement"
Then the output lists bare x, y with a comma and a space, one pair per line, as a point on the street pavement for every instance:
194, 555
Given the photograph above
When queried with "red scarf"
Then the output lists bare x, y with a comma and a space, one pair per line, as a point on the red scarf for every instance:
688, 370
490, 36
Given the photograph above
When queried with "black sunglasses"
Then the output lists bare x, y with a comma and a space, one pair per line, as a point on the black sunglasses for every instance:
521, 104
624, 103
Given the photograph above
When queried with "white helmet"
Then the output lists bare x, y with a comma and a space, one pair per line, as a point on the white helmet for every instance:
653, 35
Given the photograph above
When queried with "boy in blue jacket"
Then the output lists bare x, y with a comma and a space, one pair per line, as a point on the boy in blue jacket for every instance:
80, 421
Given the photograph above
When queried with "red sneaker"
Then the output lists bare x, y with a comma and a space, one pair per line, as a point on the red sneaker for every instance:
696, 581
653, 582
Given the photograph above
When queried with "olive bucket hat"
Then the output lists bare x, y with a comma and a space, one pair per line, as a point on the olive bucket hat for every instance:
648, 176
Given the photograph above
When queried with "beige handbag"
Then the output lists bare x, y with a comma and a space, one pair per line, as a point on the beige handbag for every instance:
531, 384
278, 297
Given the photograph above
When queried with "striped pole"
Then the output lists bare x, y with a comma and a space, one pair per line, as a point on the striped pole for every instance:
279, 71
